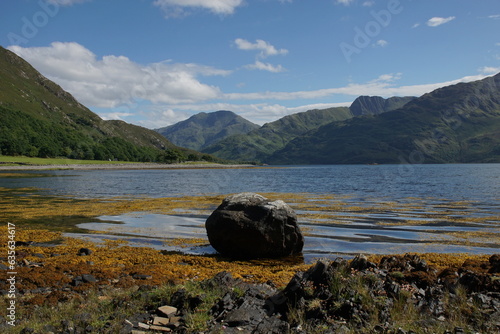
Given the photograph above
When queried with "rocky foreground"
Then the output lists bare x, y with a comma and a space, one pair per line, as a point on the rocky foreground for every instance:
399, 294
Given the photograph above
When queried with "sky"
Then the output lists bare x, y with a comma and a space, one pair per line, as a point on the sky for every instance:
156, 62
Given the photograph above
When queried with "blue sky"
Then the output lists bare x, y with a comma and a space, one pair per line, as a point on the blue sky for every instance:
156, 62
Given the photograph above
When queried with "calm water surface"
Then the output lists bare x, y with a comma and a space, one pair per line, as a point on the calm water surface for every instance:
432, 186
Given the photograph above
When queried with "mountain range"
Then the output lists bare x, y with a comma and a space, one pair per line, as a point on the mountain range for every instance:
454, 124
39, 119
458, 123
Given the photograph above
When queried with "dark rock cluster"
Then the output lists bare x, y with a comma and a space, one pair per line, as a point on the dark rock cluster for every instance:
400, 295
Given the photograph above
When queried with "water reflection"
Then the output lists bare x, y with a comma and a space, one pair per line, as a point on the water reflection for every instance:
322, 240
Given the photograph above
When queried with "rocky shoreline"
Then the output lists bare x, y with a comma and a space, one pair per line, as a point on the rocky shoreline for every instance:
399, 294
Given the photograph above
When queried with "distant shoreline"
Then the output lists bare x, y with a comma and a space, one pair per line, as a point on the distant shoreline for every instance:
120, 166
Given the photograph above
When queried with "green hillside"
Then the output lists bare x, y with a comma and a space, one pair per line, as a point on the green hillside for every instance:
204, 129
262, 142
39, 119
459, 123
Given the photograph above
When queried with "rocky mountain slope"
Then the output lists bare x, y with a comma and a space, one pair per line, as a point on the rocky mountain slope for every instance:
374, 105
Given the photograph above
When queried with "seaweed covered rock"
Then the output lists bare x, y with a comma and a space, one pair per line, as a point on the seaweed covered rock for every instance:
248, 225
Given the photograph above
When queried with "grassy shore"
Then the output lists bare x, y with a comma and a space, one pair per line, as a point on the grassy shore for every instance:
21, 160
27, 163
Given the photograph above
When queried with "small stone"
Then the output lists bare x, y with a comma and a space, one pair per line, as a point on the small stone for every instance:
143, 325
87, 278
459, 330
167, 310
159, 321
143, 277
361, 262
174, 322
160, 328
84, 252
77, 281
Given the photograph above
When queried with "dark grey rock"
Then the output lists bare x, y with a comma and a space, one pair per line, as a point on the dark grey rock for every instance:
84, 252
248, 225
361, 262
87, 278
142, 277
244, 316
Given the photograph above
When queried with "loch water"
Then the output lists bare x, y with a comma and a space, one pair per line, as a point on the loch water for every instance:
433, 192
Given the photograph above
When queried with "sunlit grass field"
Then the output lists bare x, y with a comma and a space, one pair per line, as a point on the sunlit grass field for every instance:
54, 161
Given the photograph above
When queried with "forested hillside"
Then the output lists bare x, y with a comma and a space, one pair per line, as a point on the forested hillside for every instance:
39, 119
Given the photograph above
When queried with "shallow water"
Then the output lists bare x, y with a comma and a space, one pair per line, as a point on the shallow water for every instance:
342, 210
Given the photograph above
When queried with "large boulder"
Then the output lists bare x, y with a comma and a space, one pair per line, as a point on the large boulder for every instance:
248, 225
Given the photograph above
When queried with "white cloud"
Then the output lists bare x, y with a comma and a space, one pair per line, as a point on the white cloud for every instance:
258, 113
177, 8
495, 17
66, 2
368, 3
266, 49
160, 117
116, 80
381, 43
116, 115
344, 2
416, 25
489, 70
437, 21
258, 65
384, 85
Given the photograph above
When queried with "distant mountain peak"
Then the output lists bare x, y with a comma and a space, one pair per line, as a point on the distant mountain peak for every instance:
375, 105
204, 129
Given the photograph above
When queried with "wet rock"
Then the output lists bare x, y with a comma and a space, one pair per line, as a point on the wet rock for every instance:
84, 252
23, 243
248, 225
